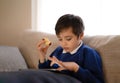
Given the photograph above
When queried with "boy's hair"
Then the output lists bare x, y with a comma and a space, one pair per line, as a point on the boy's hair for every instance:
69, 20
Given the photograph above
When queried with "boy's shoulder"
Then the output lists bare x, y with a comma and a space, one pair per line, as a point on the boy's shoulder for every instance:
58, 49
90, 50
87, 48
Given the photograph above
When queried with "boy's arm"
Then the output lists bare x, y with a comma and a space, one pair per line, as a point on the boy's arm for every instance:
45, 64
42, 47
91, 72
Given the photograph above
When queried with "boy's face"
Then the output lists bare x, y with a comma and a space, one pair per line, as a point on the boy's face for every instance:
68, 40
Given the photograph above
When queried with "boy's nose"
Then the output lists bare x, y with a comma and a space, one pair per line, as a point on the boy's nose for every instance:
64, 43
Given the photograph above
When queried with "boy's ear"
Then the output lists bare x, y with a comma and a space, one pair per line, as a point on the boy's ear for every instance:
81, 35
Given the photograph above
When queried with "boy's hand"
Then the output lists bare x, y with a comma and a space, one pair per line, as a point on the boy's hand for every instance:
72, 66
42, 48
54, 60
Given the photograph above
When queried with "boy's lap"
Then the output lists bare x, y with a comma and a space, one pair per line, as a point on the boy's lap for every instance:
36, 76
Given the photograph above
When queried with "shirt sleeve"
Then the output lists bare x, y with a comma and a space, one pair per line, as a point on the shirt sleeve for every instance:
46, 64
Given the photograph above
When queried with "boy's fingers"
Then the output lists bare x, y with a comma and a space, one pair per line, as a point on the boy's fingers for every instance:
40, 43
55, 59
50, 58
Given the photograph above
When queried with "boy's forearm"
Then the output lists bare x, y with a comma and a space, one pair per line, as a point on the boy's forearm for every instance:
45, 64
42, 58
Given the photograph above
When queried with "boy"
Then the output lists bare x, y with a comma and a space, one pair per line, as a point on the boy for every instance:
72, 57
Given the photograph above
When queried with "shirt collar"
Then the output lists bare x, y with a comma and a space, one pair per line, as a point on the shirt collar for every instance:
75, 50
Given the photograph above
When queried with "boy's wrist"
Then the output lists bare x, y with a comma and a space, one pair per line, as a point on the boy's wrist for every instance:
76, 68
42, 59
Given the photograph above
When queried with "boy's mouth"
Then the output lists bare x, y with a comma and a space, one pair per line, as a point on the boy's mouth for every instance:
66, 48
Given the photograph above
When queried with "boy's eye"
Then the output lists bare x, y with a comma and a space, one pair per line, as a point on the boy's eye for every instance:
68, 39
60, 39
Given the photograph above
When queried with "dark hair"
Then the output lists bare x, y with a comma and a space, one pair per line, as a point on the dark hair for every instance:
69, 20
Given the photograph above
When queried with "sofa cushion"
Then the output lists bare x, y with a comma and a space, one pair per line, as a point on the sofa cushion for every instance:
11, 59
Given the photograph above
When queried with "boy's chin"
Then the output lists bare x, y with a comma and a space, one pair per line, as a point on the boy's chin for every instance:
68, 51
